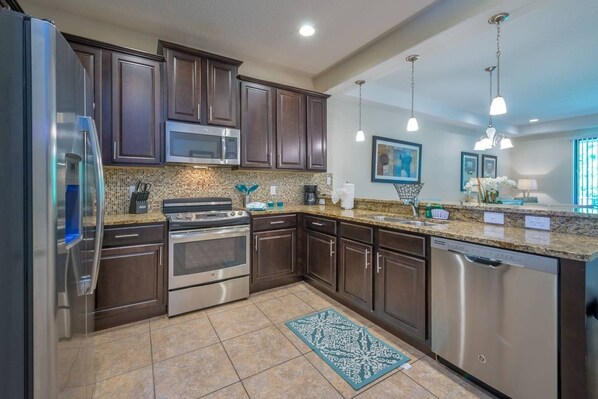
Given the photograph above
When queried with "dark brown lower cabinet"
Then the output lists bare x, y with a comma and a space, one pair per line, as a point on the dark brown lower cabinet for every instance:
401, 292
355, 273
273, 255
321, 259
131, 285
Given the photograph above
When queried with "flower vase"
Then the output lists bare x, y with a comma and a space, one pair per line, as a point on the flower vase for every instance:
491, 196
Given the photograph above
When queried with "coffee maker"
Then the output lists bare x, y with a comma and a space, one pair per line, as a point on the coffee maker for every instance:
310, 194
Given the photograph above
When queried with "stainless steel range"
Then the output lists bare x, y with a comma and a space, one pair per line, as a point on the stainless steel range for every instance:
208, 253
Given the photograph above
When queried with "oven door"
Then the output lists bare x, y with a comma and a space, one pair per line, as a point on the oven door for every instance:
202, 256
210, 145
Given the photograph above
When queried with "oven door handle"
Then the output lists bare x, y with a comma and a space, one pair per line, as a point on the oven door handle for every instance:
208, 234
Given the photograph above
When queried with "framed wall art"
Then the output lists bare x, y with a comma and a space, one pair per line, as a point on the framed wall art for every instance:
489, 166
469, 167
396, 161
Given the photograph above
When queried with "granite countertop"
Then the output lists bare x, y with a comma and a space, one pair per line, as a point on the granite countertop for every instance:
561, 245
127, 218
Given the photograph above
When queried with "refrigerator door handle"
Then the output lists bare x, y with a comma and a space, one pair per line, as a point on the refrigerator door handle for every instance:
100, 201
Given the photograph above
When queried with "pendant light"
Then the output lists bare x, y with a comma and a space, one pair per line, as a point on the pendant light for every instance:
498, 105
492, 139
360, 136
412, 125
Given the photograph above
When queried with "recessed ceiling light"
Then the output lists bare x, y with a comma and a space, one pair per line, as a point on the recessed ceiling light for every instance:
307, 30
533, 120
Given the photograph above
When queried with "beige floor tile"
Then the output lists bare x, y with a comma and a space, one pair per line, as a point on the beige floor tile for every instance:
113, 334
441, 381
396, 386
268, 294
117, 357
397, 343
235, 391
66, 358
137, 384
295, 379
259, 350
233, 323
297, 287
228, 306
284, 308
194, 374
183, 337
75, 393
336, 380
165, 321
315, 301
354, 316
299, 344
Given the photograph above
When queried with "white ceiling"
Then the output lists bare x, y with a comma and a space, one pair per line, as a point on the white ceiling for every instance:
549, 68
259, 29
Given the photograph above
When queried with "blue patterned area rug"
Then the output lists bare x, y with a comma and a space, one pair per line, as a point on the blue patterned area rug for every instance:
354, 353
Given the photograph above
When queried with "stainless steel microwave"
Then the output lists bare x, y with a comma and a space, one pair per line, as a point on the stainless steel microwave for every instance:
196, 144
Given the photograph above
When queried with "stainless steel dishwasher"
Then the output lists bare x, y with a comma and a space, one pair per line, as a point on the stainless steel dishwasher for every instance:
494, 315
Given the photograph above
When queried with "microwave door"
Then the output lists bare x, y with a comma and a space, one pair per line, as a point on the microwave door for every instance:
195, 144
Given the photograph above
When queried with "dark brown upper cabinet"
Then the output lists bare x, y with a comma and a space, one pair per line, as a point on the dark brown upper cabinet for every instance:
127, 100
136, 132
202, 87
257, 125
184, 85
290, 130
223, 94
282, 127
316, 133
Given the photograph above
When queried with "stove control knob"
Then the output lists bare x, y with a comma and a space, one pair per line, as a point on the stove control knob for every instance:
232, 213
188, 217
179, 216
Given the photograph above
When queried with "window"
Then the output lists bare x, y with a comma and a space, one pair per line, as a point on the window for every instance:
586, 171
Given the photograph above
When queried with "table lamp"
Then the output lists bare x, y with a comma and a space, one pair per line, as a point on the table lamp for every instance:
527, 185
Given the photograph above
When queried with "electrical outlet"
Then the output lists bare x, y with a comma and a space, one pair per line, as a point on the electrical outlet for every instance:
328, 180
494, 217
322, 201
272, 190
537, 222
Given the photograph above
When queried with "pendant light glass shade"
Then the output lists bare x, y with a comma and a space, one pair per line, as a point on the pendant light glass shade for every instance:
412, 125
498, 106
360, 136
506, 143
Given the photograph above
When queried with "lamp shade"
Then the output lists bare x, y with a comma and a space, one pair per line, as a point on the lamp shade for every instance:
506, 143
360, 136
527, 184
498, 106
412, 125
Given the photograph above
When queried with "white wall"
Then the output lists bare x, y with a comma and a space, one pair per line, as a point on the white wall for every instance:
549, 160
117, 35
441, 149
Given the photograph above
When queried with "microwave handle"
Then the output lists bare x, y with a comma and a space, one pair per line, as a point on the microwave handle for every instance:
223, 155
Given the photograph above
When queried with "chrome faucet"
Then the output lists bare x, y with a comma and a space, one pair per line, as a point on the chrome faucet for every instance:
414, 202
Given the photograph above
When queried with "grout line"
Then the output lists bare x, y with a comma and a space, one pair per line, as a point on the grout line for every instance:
177, 322
323, 376
271, 367
227, 310
152, 359
405, 374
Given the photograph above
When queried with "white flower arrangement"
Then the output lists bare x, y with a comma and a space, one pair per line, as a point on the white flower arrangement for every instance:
487, 188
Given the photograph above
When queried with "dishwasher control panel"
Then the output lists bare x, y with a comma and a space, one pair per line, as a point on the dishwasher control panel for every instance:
513, 258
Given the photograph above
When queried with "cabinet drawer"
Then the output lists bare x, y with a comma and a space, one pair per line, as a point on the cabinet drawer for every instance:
274, 222
357, 232
406, 243
319, 224
119, 236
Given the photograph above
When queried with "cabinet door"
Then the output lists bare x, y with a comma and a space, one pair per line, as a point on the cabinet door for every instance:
273, 255
135, 110
91, 59
316, 133
355, 273
401, 292
321, 258
184, 86
290, 130
223, 94
257, 125
130, 285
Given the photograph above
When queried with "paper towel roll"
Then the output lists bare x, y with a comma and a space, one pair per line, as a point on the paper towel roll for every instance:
348, 196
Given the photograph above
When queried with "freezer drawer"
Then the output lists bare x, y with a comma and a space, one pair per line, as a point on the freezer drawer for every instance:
494, 315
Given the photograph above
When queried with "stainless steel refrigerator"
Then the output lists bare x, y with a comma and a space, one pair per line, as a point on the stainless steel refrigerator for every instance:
51, 212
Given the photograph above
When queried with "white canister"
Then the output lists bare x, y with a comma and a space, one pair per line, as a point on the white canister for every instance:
348, 196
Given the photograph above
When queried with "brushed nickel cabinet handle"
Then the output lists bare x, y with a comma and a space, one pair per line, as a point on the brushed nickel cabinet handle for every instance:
378, 256
211, 114
114, 149
255, 242
278, 222
160, 255
317, 224
198, 111
309, 161
366, 259
127, 235
331, 250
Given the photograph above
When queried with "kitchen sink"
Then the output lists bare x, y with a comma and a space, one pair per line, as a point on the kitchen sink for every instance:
411, 222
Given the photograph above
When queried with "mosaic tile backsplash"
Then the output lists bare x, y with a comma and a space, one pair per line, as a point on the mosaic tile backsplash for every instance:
183, 181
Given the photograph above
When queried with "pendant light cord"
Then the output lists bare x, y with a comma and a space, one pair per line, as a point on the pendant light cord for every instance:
360, 106
412, 84
497, 59
490, 115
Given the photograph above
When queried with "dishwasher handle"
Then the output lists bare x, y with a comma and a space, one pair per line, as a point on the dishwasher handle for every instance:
479, 259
